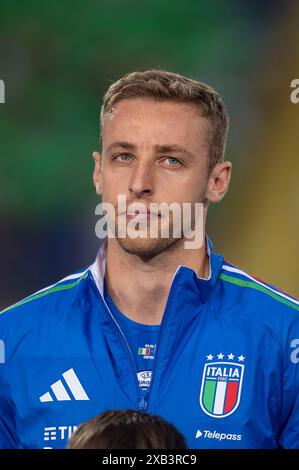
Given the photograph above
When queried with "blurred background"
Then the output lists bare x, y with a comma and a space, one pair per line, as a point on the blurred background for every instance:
57, 58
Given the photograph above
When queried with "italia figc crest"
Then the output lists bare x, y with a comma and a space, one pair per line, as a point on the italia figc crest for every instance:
221, 385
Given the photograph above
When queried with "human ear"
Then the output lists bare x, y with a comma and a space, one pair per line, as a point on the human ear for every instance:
218, 182
97, 172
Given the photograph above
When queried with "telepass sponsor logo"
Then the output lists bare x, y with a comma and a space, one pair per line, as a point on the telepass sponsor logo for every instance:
219, 436
221, 386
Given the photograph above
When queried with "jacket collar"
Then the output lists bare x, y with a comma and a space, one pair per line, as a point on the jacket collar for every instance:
205, 285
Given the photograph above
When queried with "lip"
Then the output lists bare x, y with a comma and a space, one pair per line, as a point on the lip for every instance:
141, 216
133, 214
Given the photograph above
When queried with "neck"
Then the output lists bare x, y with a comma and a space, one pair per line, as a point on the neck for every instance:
139, 288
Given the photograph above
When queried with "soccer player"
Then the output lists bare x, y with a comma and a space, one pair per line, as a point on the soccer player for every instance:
155, 324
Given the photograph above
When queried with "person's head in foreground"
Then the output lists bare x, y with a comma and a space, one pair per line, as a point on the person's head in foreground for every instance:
127, 429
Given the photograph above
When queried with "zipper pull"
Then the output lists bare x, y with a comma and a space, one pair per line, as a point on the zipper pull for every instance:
143, 403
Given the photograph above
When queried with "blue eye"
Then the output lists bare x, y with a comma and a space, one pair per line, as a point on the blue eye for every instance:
173, 161
120, 158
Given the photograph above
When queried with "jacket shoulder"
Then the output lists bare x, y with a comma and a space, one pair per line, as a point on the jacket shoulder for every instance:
44, 298
264, 300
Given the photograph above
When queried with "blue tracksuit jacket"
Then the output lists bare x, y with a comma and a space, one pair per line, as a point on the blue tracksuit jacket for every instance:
226, 373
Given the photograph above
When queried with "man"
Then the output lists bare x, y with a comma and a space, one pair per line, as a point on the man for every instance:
153, 325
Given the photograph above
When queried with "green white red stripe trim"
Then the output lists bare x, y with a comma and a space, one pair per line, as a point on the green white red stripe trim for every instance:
50, 289
258, 285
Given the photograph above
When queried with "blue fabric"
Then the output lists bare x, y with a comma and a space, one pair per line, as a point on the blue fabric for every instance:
226, 373
142, 341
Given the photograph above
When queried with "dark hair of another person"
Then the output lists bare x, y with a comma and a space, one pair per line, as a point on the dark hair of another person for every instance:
126, 429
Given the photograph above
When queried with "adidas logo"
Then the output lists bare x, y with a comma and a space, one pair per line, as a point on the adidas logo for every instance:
61, 393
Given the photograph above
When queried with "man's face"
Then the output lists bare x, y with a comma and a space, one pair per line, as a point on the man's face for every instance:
153, 152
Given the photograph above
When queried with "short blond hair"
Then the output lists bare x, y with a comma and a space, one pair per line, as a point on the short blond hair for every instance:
160, 85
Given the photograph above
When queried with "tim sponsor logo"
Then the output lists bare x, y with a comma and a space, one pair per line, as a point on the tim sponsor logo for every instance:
57, 433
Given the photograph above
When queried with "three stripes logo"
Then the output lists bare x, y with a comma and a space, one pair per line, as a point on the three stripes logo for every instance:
65, 390
221, 386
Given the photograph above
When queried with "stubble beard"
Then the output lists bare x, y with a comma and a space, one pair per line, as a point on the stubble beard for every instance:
147, 248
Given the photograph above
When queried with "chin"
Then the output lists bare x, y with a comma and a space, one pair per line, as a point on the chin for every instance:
146, 247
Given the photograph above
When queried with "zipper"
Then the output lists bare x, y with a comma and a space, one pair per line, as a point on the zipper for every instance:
143, 401
124, 339
143, 397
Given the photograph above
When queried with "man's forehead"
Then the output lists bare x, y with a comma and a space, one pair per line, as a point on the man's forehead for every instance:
111, 114
129, 121
136, 105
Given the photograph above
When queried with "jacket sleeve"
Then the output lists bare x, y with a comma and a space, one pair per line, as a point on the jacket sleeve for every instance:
289, 434
7, 431
6, 439
7, 422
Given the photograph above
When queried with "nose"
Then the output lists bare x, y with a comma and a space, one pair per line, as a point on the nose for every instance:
141, 182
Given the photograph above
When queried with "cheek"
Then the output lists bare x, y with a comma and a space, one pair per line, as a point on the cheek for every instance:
191, 189
112, 186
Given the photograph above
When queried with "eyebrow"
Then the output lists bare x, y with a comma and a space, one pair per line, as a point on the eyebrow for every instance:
164, 148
